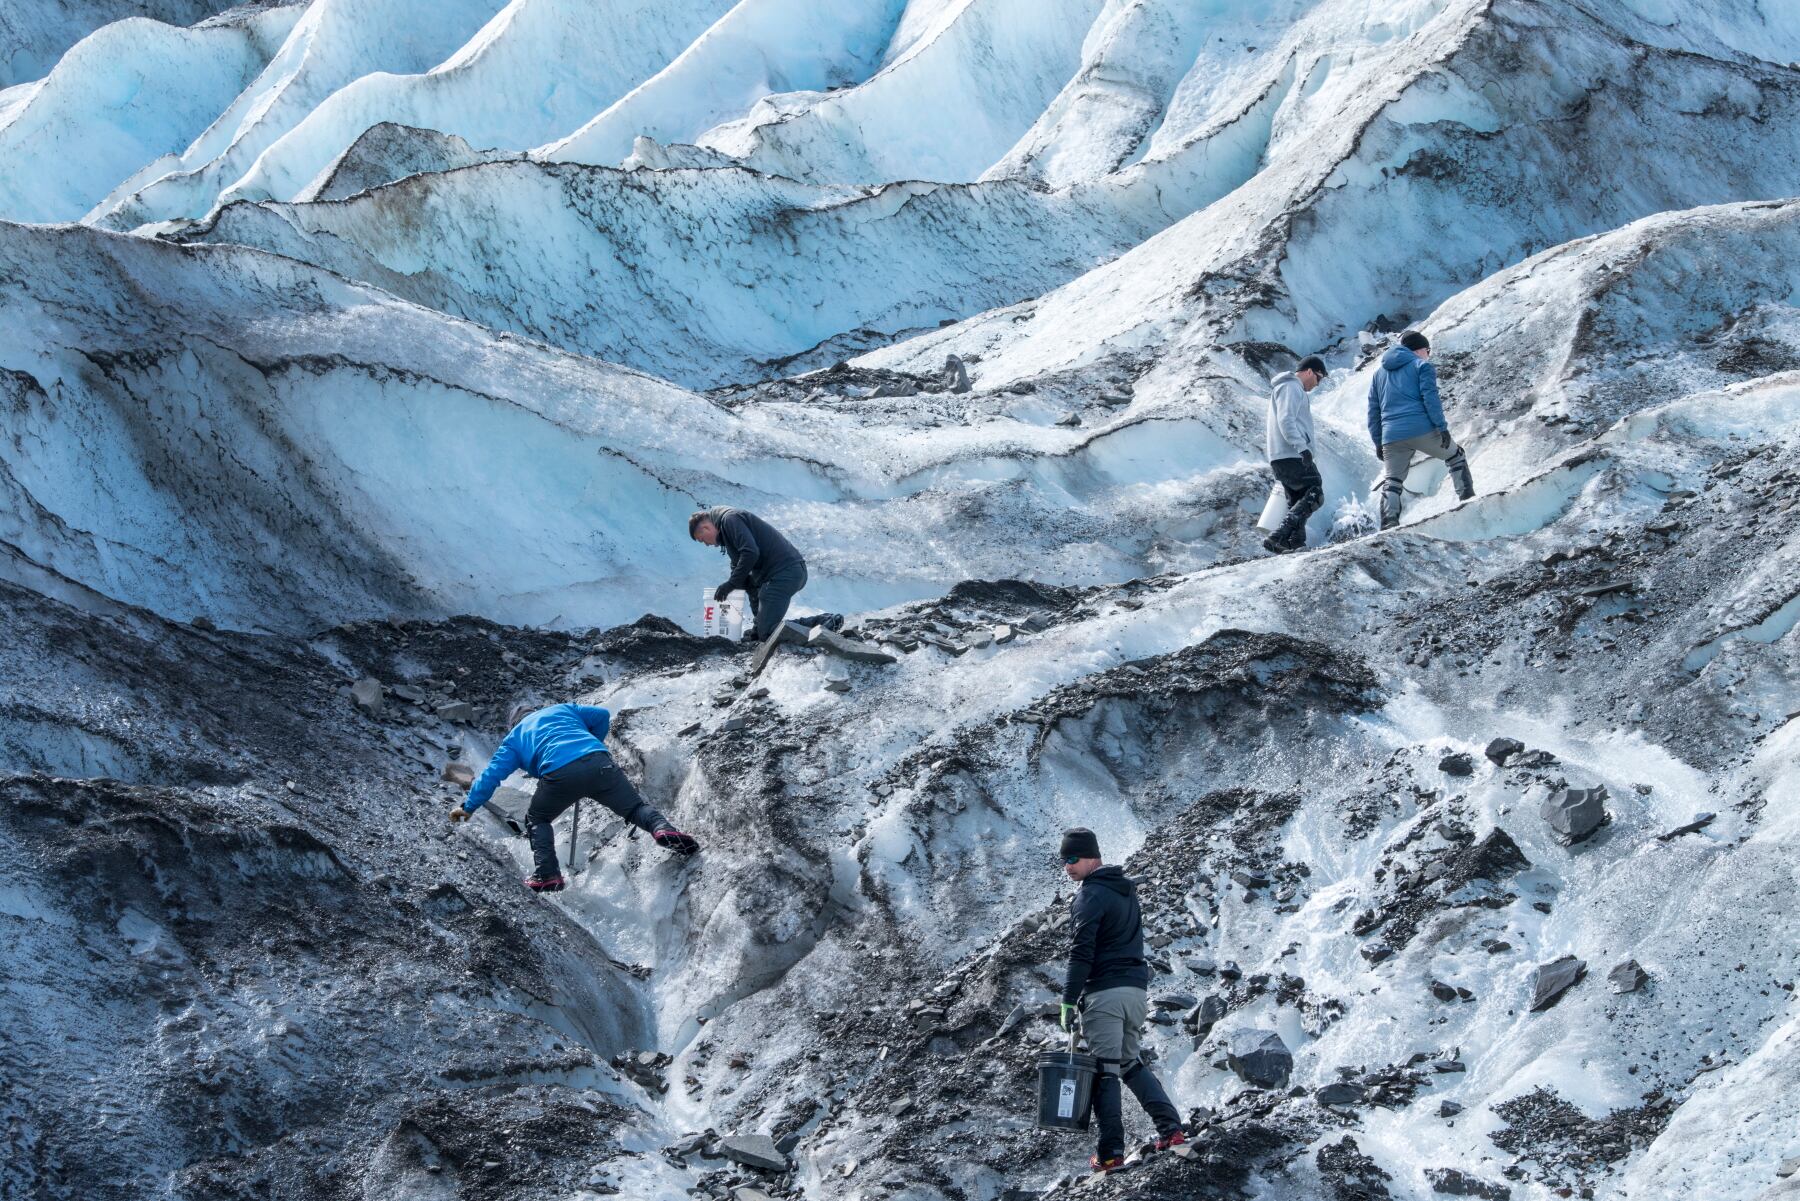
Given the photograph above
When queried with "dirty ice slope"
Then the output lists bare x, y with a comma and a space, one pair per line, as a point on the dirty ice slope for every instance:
282, 448
900, 856
232, 946
33, 36
1352, 167
1387, 200
132, 92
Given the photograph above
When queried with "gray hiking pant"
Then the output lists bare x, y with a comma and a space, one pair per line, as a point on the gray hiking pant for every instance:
1397, 458
1113, 1020
594, 775
770, 599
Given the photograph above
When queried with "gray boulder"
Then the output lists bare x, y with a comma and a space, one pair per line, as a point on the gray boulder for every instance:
1502, 749
956, 376
1454, 1183
753, 1151
1457, 764
1552, 980
849, 648
1259, 1058
366, 695
1628, 977
1575, 813
459, 712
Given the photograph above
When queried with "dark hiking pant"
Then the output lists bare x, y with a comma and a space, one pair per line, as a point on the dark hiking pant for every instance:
769, 599
1305, 490
594, 776
1113, 1020
1397, 458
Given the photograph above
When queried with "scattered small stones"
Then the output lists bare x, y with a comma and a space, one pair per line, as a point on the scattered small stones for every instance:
366, 695
1575, 813
1551, 980
1628, 977
1259, 1058
1458, 764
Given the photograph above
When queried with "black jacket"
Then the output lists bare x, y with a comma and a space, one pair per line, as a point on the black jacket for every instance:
1108, 946
757, 549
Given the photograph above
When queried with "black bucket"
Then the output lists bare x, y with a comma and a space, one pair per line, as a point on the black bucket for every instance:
1065, 1089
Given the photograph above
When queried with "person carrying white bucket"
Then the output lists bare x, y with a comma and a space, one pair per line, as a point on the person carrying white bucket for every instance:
1290, 451
1107, 991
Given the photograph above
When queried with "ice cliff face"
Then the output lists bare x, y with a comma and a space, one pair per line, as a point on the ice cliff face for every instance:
394, 341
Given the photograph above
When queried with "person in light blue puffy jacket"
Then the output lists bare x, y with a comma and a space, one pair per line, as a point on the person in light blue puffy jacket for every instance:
1406, 417
562, 746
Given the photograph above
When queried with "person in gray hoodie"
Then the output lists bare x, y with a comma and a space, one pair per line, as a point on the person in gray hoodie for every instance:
1290, 447
1406, 417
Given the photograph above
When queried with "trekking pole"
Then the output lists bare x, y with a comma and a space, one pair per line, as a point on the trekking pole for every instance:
574, 828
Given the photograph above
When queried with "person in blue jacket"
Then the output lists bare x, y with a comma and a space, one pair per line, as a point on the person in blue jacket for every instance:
1406, 418
561, 746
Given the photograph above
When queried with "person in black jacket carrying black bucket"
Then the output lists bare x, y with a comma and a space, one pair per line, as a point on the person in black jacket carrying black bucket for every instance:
1108, 987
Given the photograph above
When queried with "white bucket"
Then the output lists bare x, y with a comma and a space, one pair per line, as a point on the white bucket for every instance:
721, 619
1275, 511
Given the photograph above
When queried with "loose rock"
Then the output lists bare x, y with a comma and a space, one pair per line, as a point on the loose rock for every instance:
1628, 977
1458, 764
1575, 813
1552, 980
1259, 1058
366, 695
1502, 749
1454, 1183
753, 1151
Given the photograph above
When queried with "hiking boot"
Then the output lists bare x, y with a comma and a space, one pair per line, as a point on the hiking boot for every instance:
537, 883
1111, 1163
1175, 1138
669, 838
1275, 546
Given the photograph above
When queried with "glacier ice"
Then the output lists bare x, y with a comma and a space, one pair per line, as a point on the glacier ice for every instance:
382, 348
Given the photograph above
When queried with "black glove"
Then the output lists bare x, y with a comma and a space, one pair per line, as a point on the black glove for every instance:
1444, 439
1306, 457
723, 590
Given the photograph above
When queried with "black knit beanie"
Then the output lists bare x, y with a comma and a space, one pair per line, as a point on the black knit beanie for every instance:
1080, 844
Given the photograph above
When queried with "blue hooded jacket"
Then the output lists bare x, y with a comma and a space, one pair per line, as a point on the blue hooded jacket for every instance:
544, 741
1403, 399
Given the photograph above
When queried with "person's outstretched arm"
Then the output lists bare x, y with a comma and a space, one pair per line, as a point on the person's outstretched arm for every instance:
1428, 396
597, 720
505, 762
